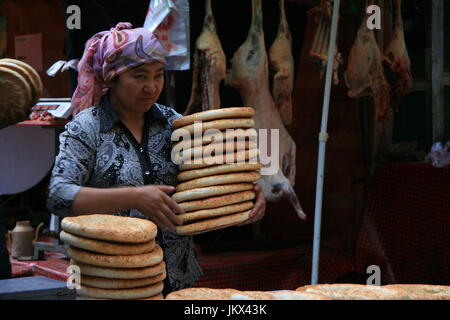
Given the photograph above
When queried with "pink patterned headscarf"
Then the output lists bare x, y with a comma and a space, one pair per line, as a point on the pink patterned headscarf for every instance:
108, 54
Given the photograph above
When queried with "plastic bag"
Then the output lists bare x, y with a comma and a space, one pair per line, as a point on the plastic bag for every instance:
61, 66
169, 21
439, 155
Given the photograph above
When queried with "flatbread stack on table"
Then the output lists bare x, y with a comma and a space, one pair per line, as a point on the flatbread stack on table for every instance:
20, 89
118, 256
336, 291
348, 291
217, 156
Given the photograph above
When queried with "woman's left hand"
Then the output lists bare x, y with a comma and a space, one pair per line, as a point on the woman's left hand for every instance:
259, 209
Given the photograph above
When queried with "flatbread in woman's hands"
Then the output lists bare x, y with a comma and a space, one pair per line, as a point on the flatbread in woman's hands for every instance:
205, 192
216, 212
222, 179
219, 201
222, 113
213, 224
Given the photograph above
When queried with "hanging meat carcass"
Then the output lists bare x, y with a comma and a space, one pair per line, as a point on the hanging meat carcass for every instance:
396, 60
318, 54
281, 64
209, 67
249, 75
365, 73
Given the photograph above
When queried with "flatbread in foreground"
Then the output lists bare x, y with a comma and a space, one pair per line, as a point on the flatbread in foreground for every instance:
202, 294
423, 291
344, 291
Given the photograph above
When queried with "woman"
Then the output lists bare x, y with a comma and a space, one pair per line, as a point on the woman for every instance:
115, 154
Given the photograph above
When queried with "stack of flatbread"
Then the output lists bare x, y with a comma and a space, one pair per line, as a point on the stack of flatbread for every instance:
118, 256
217, 156
20, 89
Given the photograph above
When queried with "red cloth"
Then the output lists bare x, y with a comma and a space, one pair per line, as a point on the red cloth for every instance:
285, 269
406, 228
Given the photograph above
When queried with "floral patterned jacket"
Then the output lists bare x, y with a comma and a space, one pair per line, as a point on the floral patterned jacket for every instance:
97, 150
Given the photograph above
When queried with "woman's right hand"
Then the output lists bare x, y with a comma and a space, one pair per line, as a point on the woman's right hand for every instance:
154, 202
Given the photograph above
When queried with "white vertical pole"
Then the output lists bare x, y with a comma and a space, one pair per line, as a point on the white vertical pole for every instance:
323, 136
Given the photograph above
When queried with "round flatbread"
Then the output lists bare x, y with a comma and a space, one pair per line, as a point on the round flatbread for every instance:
25, 73
216, 212
213, 224
239, 157
205, 192
220, 179
157, 297
242, 123
108, 283
15, 93
202, 294
215, 136
218, 169
135, 293
111, 228
423, 291
297, 295
346, 291
33, 73
106, 247
120, 273
222, 113
102, 260
210, 150
220, 201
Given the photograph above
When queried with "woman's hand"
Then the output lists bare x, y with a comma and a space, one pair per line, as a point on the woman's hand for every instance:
259, 209
154, 202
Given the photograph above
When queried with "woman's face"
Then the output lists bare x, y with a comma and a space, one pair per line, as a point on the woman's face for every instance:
137, 89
